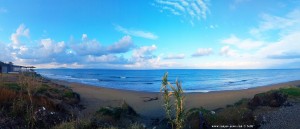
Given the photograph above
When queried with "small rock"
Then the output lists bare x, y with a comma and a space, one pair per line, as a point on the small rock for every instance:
287, 104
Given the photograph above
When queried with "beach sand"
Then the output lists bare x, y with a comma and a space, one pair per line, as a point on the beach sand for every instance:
146, 105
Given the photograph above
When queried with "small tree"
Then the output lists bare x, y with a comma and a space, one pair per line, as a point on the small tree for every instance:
177, 93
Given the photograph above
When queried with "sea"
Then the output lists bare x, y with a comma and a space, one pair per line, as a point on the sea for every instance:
193, 80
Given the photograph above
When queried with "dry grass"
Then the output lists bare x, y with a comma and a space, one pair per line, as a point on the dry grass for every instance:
1, 79
30, 85
7, 95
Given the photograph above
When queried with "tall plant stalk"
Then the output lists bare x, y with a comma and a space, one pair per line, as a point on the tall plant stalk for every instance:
29, 83
177, 93
167, 97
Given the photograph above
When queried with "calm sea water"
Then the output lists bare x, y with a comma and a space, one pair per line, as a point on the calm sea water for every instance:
192, 80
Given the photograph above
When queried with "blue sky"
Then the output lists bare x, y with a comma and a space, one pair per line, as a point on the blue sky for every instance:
152, 34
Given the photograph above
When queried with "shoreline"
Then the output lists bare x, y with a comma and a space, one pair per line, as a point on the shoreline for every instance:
146, 103
297, 82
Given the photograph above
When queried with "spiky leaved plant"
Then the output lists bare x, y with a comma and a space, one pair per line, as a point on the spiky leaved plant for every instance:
167, 97
180, 114
177, 93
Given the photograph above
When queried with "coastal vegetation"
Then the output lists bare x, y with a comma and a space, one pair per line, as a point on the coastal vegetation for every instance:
27, 101
292, 92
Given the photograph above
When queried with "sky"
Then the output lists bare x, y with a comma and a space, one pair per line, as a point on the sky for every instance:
151, 34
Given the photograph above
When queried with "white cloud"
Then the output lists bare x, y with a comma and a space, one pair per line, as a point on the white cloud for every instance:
110, 59
144, 52
227, 51
203, 52
203, 7
84, 37
5, 53
285, 24
176, 5
184, 3
281, 52
46, 49
196, 8
93, 47
123, 45
21, 31
89, 47
246, 44
173, 11
287, 46
49, 47
58, 65
174, 56
137, 33
213, 26
143, 57
190, 10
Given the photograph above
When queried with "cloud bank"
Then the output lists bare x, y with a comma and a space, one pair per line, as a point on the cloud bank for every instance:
90, 53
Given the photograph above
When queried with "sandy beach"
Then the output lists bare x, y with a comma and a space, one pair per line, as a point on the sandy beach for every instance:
149, 104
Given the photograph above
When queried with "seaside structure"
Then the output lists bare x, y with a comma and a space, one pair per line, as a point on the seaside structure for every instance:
11, 68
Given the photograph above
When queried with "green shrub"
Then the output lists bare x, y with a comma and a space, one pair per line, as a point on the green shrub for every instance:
234, 115
243, 101
69, 94
122, 116
109, 111
291, 91
54, 90
12, 86
42, 89
207, 114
